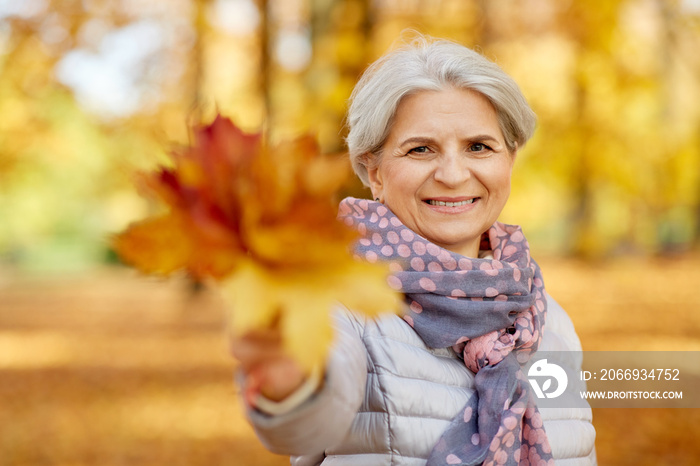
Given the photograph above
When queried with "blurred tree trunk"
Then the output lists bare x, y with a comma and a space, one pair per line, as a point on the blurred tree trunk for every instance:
341, 34
265, 72
593, 29
195, 115
485, 34
673, 57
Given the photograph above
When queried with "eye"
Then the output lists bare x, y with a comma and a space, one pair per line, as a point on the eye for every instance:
419, 150
479, 147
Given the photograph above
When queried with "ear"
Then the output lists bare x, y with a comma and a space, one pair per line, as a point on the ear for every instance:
375, 181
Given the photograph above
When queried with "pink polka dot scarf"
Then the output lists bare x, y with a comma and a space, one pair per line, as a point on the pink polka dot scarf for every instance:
491, 311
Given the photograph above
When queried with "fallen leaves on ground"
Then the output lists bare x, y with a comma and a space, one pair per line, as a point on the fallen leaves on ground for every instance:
110, 369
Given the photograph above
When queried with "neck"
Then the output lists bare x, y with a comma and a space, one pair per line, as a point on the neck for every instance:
470, 249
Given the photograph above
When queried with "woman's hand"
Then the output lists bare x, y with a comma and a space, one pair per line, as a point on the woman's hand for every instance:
269, 370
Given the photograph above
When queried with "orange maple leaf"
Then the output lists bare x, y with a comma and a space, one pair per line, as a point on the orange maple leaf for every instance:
201, 231
262, 221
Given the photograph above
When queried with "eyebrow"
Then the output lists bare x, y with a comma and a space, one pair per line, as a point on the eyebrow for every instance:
426, 139
416, 140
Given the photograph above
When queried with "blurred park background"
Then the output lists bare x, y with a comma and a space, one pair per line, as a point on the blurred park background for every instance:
99, 366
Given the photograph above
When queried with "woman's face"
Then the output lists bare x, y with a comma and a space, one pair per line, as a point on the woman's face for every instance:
445, 169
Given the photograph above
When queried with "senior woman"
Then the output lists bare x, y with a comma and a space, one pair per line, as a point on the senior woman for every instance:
434, 132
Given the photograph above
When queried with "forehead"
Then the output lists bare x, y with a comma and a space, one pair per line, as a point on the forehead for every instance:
448, 109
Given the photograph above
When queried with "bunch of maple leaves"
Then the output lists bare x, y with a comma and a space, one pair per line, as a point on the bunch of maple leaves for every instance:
260, 221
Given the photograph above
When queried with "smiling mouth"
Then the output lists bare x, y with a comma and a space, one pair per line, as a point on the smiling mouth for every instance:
451, 204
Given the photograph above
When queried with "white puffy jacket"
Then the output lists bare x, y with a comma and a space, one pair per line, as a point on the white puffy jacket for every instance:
387, 398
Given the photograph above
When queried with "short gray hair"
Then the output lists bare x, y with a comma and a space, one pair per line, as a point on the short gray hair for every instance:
427, 64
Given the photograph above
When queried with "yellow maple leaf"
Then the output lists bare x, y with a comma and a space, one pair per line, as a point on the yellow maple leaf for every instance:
262, 222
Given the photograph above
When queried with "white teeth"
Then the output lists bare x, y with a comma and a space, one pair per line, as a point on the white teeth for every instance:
451, 204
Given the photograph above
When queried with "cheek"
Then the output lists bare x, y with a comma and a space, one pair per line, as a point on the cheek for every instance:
500, 182
399, 177
498, 198
506, 183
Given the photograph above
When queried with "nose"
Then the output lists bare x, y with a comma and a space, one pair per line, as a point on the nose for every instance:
452, 169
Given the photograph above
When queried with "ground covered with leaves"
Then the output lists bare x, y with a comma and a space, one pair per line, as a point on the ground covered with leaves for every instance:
107, 368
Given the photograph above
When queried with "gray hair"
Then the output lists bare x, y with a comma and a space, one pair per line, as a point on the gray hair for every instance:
424, 65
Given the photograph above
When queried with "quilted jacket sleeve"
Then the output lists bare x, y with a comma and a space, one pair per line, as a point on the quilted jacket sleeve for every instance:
323, 420
570, 429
